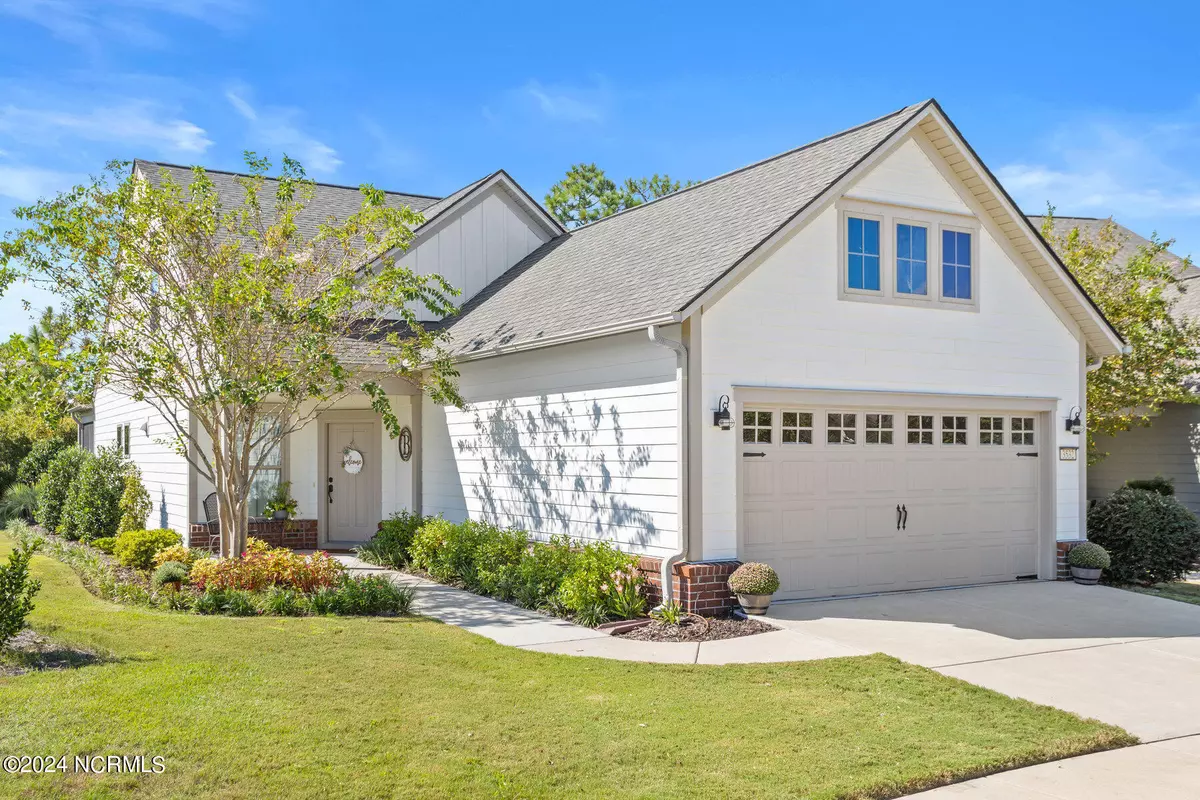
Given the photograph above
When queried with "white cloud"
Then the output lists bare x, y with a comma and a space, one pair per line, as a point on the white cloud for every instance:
94, 23
1132, 167
277, 128
132, 122
569, 104
27, 184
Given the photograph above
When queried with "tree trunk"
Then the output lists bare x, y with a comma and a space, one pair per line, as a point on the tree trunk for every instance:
234, 519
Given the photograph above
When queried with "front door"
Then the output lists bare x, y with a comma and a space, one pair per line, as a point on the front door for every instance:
352, 481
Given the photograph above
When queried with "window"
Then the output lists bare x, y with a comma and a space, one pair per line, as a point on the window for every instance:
270, 472
912, 262
840, 428
862, 254
954, 430
920, 429
756, 426
125, 439
991, 430
1022, 431
120, 432
796, 427
956, 264
879, 429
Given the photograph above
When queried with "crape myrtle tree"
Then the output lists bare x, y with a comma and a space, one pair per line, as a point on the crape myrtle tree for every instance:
226, 315
1138, 297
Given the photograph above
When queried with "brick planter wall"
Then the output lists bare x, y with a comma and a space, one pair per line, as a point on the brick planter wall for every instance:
296, 534
1064, 569
700, 587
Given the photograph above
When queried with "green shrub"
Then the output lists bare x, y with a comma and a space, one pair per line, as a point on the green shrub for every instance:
323, 601
211, 601
171, 572
20, 501
447, 550
754, 578
134, 505
669, 613
239, 603
627, 600
283, 601
105, 544
1150, 537
137, 548
591, 583
55, 485
1164, 486
17, 590
542, 571
34, 465
1089, 555
389, 547
373, 595
497, 559
93, 506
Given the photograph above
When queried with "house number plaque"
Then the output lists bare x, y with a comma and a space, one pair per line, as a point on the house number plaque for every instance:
1068, 454
352, 461
405, 443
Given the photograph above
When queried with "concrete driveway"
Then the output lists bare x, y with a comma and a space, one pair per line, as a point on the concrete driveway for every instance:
1112, 655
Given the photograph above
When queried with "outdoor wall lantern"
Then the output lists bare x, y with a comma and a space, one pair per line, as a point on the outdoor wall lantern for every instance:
721, 417
1075, 421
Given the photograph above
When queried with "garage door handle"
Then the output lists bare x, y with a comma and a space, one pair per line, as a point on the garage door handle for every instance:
905, 510
897, 517
1027, 455
753, 455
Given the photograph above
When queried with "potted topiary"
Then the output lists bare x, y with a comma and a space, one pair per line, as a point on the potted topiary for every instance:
1087, 561
754, 583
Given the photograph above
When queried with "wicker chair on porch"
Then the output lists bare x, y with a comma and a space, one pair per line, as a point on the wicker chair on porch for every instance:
214, 524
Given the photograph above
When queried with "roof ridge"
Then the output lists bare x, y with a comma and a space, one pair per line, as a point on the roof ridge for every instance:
248, 175
754, 164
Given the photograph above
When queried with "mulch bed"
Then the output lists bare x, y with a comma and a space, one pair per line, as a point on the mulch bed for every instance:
31, 652
697, 629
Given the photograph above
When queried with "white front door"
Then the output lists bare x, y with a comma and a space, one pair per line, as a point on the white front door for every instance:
352, 481
857, 500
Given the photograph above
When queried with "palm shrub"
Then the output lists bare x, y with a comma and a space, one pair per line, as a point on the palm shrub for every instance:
93, 505
134, 505
389, 546
34, 465
20, 501
17, 590
1150, 537
55, 485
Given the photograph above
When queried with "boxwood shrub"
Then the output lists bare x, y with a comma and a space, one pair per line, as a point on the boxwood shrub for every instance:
1150, 537
55, 484
1089, 555
137, 548
390, 546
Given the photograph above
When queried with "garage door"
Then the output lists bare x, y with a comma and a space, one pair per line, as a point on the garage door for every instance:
856, 500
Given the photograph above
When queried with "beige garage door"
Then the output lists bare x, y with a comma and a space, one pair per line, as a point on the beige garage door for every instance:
852, 500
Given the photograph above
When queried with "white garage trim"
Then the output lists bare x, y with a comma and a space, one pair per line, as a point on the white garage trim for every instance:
827, 401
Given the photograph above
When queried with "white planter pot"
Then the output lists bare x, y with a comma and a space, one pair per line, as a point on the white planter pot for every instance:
755, 604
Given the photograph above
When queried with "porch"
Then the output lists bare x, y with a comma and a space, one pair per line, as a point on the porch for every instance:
295, 534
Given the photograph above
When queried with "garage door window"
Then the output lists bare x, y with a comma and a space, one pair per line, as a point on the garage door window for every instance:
796, 427
756, 426
991, 430
920, 429
954, 430
1022, 431
840, 428
879, 429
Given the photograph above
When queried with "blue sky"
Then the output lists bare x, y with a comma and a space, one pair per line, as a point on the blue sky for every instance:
1096, 110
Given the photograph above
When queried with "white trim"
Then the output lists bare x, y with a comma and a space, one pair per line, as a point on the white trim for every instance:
574, 336
845, 290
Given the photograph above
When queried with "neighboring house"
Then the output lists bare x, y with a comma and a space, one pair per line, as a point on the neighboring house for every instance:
1170, 445
897, 347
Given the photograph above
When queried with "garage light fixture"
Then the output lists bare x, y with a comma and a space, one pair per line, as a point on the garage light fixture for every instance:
721, 417
1075, 420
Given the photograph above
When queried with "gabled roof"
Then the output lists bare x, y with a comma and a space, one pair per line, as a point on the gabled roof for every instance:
659, 262
500, 178
648, 263
329, 200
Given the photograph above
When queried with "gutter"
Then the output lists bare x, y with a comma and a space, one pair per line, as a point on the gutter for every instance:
681, 388
1126, 349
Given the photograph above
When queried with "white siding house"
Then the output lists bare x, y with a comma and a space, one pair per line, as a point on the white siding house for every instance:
852, 360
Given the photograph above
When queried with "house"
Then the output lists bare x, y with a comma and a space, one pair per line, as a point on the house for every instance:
852, 360
1170, 445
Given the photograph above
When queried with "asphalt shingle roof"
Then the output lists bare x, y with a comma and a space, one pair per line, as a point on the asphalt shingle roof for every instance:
655, 259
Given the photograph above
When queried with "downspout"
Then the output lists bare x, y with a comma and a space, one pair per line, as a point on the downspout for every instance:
681, 389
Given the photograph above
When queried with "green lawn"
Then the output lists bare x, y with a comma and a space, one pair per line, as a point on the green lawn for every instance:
1179, 590
330, 708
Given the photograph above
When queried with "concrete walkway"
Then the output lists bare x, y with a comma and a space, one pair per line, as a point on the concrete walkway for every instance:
529, 630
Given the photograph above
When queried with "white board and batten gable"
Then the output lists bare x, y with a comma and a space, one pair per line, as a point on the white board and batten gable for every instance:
477, 239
